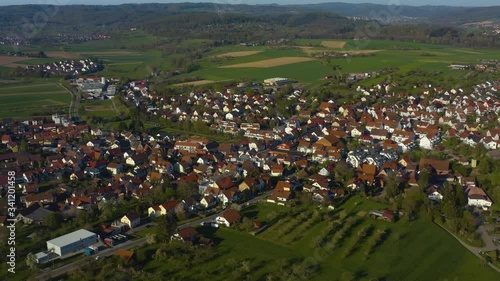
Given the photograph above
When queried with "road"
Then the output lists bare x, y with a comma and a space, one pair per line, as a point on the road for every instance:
51, 273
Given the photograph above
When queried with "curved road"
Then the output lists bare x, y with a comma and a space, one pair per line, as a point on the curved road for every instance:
51, 273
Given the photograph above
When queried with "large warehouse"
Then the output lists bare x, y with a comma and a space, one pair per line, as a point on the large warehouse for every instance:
72, 242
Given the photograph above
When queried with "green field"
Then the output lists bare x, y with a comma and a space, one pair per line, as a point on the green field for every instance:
407, 251
406, 56
100, 108
32, 98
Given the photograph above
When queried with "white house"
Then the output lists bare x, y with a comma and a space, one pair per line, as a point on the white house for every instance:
131, 219
477, 197
228, 218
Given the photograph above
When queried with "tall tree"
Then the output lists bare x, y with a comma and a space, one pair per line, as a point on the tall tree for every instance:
343, 173
392, 185
166, 227
424, 177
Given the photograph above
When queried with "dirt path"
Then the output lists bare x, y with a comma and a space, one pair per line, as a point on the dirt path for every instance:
74, 104
114, 106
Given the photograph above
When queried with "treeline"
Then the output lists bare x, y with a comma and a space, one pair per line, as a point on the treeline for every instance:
175, 23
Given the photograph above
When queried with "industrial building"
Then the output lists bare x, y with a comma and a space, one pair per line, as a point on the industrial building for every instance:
278, 81
72, 242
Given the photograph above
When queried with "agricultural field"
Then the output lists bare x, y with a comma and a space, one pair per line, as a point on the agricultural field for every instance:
270, 62
33, 99
259, 62
303, 243
123, 55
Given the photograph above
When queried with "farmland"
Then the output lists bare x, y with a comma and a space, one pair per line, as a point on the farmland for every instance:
303, 244
32, 99
270, 62
260, 62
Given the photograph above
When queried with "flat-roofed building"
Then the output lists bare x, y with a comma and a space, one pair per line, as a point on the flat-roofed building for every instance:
72, 242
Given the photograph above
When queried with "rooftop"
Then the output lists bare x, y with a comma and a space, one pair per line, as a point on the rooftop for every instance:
71, 237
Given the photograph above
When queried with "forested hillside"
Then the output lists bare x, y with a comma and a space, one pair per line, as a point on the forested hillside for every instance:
243, 23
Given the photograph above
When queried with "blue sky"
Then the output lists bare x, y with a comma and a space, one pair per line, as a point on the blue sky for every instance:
403, 2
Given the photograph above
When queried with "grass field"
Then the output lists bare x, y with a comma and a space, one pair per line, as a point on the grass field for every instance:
238, 54
378, 55
33, 98
334, 44
407, 251
99, 108
270, 62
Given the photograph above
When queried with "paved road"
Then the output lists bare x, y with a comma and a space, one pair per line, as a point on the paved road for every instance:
487, 238
50, 273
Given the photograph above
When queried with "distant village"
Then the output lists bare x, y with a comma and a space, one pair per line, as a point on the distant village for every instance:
66, 67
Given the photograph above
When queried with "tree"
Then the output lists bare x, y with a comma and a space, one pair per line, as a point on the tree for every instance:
53, 221
343, 172
424, 177
151, 238
23, 146
122, 126
31, 261
186, 190
166, 228
468, 222
410, 207
348, 276
484, 166
392, 185
180, 212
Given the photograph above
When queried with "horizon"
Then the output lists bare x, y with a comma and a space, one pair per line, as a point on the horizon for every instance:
451, 3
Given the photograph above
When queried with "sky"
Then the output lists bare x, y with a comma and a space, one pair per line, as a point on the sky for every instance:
387, 2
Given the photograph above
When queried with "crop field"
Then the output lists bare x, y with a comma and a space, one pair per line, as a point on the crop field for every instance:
334, 44
195, 83
10, 61
270, 62
295, 62
302, 244
32, 99
238, 54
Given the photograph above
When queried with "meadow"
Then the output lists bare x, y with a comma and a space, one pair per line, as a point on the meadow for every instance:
302, 244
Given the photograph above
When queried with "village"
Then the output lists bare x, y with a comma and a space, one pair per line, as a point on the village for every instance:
65, 169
